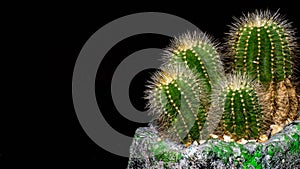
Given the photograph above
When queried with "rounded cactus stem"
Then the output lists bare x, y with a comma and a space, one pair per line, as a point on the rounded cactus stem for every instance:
175, 99
238, 104
262, 44
199, 52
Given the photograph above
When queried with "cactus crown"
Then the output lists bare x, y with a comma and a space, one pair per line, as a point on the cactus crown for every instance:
263, 45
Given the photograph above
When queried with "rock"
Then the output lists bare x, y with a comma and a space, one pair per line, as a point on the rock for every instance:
149, 151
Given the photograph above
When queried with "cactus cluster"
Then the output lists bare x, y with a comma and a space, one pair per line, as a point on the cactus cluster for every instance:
192, 97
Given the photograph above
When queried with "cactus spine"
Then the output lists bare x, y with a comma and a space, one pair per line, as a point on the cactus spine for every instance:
174, 96
198, 52
237, 102
262, 45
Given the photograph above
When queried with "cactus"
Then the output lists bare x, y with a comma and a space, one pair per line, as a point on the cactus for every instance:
199, 52
238, 103
174, 96
263, 45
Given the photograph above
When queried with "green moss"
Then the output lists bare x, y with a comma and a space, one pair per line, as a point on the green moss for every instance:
252, 159
271, 150
294, 147
163, 153
222, 151
286, 138
297, 127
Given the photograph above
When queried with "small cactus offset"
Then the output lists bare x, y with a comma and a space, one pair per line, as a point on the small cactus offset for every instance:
238, 104
175, 99
263, 45
199, 52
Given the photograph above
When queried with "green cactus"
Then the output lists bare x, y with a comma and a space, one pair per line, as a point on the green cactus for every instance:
174, 97
263, 45
199, 52
238, 104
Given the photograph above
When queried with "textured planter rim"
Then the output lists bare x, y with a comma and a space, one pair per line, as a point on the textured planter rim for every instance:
280, 151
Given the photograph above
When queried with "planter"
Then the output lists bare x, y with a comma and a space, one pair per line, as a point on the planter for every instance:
280, 151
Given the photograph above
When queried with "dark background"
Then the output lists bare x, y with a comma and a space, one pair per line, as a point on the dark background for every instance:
68, 27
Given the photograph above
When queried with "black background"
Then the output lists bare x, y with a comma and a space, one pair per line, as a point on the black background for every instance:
68, 27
